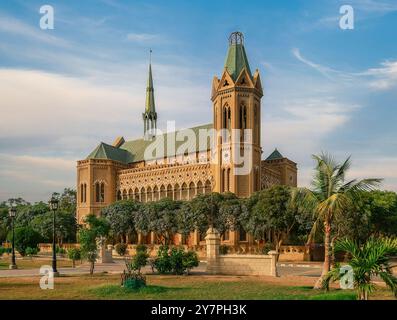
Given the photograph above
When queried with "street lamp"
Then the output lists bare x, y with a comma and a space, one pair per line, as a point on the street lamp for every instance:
54, 204
12, 212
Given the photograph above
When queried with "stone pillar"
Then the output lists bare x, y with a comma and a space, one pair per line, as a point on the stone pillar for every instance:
105, 254
273, 264
212, 241
140, 238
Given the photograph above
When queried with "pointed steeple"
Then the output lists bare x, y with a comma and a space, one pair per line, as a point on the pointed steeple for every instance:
236, 59
150, 115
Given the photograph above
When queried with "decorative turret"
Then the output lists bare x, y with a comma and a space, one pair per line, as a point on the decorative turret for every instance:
150, 114
236, 59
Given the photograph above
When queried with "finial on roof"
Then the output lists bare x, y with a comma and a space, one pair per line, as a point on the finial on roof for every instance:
236, 37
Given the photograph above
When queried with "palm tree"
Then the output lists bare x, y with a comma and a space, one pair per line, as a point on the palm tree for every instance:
330, 196
367, 261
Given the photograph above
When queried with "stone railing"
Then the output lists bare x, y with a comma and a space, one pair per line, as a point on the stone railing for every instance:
152, 250
237, 264
47, 247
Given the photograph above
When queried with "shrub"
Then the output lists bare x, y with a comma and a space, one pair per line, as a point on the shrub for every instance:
2, 251
141, 247
190, 260
60, 250
176, 260
223, 249
31, 251
139, 260
121, 249
133, 280
74, 254
267, 247
163, 262
25, 237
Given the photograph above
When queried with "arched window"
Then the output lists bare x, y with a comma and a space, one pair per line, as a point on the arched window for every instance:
82, 192
207, 187
136, 194
228, 179
149, 194
162, 192
97, 192
143, 194
177, 192
184, 191
119, 195
102, 192
223, 180
192, 190
170, 193
124, 194
155, 193
85, 193
200, 188
130, 194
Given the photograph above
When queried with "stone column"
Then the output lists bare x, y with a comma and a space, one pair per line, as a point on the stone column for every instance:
273, 263
212, 241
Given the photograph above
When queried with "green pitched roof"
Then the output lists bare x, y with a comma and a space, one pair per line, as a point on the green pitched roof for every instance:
275, 155
134, 150
106, 151
236, 60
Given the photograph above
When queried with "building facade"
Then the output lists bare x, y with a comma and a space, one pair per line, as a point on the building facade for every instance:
187, 167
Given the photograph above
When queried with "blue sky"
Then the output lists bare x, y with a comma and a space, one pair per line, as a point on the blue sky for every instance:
64, 90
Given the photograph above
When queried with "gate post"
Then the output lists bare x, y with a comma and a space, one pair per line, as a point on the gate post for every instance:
212, 241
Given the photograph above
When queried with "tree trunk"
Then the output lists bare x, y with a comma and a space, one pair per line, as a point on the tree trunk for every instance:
92, 266
327, 254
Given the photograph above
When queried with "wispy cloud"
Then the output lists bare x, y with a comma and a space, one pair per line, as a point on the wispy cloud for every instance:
141, 37
383, 77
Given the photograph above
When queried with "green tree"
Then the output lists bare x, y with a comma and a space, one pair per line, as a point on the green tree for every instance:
331, 196
367, 261
25, 237
74, 254
65, 230
121, 217
272, 211
91, 236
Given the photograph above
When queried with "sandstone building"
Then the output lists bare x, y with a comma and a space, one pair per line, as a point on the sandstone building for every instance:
123, 170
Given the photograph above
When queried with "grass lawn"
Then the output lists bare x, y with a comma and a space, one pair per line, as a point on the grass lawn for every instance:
105, 286
28, 263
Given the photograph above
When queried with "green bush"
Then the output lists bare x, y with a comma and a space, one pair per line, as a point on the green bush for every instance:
2, 251
74, 254
223, 249
141, 247
31, 251
139, 260
190, 260
163, 262
25, 237
121, 249
133, 280
175, 261
60, 250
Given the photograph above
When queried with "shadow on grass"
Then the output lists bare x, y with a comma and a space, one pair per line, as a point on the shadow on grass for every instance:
116, 291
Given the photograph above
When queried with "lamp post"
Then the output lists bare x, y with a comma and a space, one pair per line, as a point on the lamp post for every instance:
54, 203
12, 212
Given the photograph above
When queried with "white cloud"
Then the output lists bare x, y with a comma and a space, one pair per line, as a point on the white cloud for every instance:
140, 37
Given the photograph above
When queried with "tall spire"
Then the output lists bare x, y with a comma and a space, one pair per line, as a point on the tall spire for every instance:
236, 59
150, 115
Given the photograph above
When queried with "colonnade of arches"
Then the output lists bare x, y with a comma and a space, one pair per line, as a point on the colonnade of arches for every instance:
184, 191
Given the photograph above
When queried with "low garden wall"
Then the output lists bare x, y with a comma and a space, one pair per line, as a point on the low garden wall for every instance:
237, 264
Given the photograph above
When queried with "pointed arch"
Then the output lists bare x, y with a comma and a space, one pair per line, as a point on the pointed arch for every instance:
136, 194
170, 192
163, 193
184, 191
177, 192
149, 194
119, 195
155, 193
124, 194
192, 190
200, 187
143, 194
130, 193
208, 187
